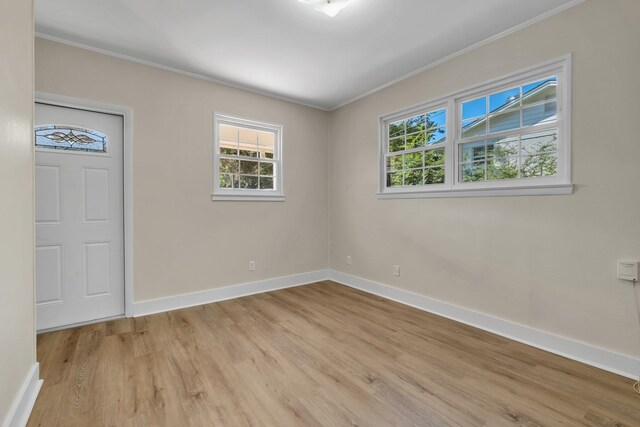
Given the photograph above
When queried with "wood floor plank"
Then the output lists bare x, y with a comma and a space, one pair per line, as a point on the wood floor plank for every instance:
315, 355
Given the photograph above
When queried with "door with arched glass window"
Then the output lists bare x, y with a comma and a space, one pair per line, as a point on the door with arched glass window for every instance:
79, 216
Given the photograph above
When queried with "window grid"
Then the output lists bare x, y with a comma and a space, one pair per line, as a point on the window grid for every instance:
248, 171
512, 101
508, 108
414, 149
247, 159
525, 158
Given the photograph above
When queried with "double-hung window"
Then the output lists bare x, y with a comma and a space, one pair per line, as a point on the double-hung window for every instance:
507, 137
247, 157
415, 152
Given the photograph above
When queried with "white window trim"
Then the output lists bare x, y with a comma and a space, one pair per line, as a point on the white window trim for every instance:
234, 194
556, 185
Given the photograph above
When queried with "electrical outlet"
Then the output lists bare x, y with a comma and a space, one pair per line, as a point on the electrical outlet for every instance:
349, 259
396, 270
252, 265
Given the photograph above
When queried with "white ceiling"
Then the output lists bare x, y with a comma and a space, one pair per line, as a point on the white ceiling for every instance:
284, 47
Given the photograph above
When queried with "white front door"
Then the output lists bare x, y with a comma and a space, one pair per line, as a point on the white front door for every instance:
79, 216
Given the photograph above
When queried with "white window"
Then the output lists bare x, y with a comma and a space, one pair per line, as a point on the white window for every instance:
415, 152
507, 137
247, 160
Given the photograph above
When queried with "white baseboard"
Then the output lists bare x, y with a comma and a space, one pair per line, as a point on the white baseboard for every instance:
585, 353
160, 305
23, 404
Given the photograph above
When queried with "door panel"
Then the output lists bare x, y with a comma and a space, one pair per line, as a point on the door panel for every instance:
79, 216
49, 194
97, 269
49, 270
95, 183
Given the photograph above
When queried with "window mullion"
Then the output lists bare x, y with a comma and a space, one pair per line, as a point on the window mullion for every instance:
450, 150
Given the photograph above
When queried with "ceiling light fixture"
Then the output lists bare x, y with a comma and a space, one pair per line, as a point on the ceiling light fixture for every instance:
330, 7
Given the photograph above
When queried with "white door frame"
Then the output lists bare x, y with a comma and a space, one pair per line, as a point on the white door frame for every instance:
127, 114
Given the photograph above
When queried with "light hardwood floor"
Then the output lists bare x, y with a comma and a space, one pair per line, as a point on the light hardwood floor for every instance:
321, 354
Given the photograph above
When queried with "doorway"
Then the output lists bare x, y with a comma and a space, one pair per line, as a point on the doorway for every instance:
80, 227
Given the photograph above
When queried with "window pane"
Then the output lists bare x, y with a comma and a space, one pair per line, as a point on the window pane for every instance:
228, 133
504, 121
474, 127
474, 108
394, 179
396, 129
413, 177
266, 144
470, 172
266, 139
503, 101
540, 142
248, 142
228, 151
437, 119
248, 167
417, 131
434, 157
58, 137
228, 166
540, 113
502, 168
226, 180
543, 90
413, 160
540, 165
434, 175
394, 163
396, 144
229, 181
415, 140
250, 182
228, 140
266, 168
248, 136
502, 147
416, 124
264, 154
266, 183
437, 135
249, 153
472, 151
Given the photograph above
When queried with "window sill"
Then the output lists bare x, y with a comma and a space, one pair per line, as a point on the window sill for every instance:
538, 190
248, 197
